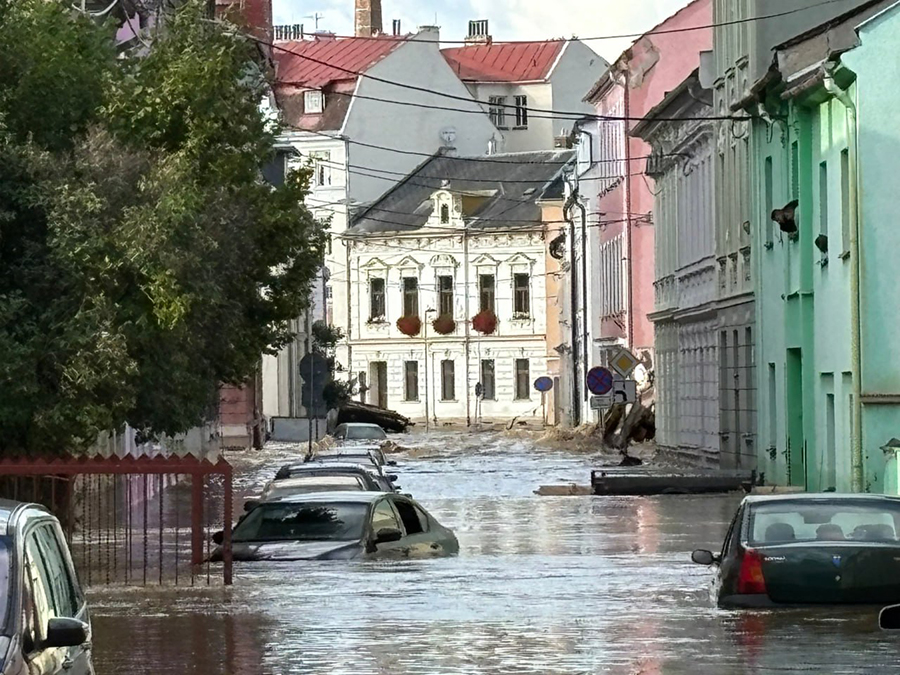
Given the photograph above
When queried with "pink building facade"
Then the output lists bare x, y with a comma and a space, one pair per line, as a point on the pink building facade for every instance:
618, 197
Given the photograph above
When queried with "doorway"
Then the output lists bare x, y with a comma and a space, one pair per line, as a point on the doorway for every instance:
378, 390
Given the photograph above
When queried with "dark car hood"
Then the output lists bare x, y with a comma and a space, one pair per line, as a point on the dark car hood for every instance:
296, 550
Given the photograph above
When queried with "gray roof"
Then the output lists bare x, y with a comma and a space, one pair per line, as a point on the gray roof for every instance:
512, 183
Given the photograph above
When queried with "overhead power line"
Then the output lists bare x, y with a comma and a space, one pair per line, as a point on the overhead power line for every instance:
620, 36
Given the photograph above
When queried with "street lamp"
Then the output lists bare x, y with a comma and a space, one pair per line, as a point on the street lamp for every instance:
427, 388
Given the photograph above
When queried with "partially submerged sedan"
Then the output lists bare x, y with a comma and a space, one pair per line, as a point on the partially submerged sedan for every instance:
354, 432
341, 526
809, 549
373, 477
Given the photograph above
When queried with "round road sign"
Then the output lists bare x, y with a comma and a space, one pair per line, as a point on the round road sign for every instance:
599, 381
543, 384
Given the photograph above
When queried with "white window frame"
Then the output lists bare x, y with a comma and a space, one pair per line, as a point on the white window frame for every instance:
313, 102
321, 164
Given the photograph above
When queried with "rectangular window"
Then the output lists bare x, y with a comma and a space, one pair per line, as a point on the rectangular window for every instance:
522, 294
522, 379
521, 112
376, 299
497, 107
411, 381
770, 201
448, 380
321, 164
845, 199
410, 296
313, 102
487, 380
823, 198
445, 295
486, 292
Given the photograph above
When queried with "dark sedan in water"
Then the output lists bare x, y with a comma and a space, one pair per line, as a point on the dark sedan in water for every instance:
341, 526
809, 549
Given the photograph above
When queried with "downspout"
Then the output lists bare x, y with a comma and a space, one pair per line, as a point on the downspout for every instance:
347, 263
856, 452
468, 327
629, 222
584, 288
573, 301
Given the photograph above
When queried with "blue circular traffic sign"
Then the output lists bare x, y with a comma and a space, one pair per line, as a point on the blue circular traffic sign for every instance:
600, 381
543, 384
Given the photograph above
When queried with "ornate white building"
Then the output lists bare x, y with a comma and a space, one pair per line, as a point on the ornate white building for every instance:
457, 239
685, 315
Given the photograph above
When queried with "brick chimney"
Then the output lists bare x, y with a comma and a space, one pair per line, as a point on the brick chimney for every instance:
368, 18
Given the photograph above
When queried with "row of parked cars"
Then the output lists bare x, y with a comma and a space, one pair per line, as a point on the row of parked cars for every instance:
342, 503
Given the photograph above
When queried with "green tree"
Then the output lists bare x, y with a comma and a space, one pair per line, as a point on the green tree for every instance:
143, 262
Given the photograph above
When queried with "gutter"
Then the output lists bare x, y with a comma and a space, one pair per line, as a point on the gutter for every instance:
856, 453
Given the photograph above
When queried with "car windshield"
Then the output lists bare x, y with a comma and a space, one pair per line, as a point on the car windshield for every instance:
306, 521
366, 433
824, 520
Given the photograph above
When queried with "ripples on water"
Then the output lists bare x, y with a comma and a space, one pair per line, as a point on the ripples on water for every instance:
543, 585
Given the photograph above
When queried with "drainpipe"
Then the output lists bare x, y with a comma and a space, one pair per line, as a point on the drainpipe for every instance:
573, 302
584, 287
856, 453
629, 223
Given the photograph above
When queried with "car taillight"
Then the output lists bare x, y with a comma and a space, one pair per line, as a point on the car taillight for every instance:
751, 579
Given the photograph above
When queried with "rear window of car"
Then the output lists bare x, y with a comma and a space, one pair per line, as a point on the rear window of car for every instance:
289, 486
363, 433
824, 520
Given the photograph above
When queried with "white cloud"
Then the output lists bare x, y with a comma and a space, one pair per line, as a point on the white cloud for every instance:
510, 19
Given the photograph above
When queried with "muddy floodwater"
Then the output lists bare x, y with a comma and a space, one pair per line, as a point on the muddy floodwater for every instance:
542, 585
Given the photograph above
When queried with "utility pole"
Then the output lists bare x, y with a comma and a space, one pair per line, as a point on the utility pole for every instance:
573, 303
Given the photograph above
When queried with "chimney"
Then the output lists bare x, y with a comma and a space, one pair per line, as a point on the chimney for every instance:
479, 33
396, 27
368, 18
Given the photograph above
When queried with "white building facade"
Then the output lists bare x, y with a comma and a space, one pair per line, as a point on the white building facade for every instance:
685, 308
464, 248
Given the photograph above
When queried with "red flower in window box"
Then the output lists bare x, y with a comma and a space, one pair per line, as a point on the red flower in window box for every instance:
409, 325
485, 322
444, 324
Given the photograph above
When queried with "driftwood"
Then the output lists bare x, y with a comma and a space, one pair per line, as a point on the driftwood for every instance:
353, 411
637, 426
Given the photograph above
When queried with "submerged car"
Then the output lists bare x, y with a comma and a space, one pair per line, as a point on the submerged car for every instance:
349, 454
373, 478
352, 432
341, 526
46, 626
809, 549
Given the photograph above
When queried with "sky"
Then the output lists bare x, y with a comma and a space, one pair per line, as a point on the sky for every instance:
509, 19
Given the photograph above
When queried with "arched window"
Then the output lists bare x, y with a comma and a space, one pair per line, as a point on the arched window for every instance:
445, 214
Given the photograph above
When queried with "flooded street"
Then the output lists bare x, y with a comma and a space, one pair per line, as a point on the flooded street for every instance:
543, 585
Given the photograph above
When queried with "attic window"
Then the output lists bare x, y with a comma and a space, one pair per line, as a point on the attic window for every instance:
445, 214
313, 102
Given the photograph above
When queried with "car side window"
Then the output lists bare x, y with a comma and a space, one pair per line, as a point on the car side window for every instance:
385, 517
40, 587
732, 532
410, 517
423, 517
66, 601
30, 635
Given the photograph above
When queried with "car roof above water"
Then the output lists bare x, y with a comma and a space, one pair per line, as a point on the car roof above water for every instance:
819, 496
12, 511
334, 497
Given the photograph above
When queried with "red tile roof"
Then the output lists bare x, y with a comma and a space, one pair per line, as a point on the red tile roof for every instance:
337, 56
507, 62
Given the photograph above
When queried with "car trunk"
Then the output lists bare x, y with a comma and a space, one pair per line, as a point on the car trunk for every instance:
832, 573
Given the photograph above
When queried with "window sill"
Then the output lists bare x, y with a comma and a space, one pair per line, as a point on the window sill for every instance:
377, 322
448, 400
521, 317
520, 128
411, 400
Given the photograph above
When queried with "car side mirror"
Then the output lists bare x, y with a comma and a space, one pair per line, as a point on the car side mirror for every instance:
218, 537
392, 477
387, 535
250, 504
63, 632
889, 618
703, 557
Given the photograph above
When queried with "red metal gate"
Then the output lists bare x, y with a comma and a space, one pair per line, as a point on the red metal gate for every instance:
132, 520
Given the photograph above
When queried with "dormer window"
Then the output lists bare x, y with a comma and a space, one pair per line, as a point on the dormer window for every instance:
445, 214
313, 102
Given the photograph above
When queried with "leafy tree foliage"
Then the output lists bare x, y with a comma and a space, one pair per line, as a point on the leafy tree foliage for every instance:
143, 262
